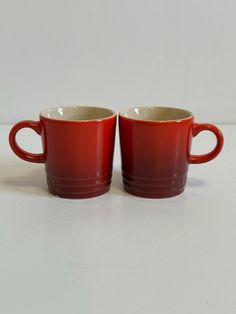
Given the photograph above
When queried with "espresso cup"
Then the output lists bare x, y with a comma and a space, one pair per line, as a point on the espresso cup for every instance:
78, 145
155, 149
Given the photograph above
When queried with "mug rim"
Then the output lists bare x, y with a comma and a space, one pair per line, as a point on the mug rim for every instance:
43, 114
122, 112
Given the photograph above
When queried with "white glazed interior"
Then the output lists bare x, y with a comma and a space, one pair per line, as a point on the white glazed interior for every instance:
156, 113
77, 113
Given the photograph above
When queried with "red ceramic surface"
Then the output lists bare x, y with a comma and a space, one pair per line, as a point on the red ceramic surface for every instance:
156, 154
77, 153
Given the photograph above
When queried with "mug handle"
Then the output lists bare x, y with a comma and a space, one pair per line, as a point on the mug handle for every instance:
37, 127
196, 129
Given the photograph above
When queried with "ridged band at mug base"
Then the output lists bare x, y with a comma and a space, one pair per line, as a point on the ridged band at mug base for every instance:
154, 187
78, 188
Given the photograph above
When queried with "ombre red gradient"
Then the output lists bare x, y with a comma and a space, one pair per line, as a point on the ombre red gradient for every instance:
155, 155
78, 155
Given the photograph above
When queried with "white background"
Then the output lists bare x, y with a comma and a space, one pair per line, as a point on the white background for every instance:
118, 53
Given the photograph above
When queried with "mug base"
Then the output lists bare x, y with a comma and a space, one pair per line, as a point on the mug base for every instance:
146, 194
78, 188
155, 187
78, 195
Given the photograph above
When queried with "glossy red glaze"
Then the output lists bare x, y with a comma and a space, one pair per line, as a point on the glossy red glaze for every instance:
156, 154
77, 154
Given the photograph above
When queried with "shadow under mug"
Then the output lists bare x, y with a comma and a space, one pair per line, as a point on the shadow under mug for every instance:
155, 149
78, 146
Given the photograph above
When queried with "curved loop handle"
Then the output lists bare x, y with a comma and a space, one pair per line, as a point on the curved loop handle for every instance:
37, 127
199, 127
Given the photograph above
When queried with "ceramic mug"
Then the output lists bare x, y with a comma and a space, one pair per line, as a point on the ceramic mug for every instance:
155, 149
78, 145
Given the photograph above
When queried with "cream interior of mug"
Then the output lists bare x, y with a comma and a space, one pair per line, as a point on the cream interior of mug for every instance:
156, 113
77, 113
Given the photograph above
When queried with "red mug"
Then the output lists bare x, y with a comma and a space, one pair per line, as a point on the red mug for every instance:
155, 149
78, 145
